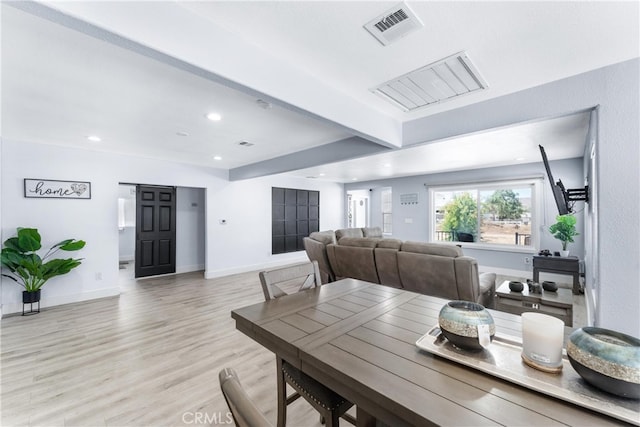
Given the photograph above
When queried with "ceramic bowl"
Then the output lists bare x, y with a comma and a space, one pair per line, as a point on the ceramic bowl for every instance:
459, 321
516, 286
549, 286
606, 359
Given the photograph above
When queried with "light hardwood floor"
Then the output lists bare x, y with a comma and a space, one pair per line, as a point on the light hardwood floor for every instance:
149, 357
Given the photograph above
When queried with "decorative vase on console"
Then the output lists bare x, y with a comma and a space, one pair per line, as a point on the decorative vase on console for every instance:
564, 230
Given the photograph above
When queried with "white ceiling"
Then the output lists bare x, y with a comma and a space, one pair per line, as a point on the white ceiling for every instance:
312, 60
499, 147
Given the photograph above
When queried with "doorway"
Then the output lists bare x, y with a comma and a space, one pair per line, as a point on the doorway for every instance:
190, 230
358, 208
126, 230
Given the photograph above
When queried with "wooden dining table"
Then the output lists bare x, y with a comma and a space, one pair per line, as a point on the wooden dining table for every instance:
359, 339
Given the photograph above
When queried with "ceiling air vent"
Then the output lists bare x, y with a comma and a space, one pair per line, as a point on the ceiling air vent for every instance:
246, 144
437, 82
393, 24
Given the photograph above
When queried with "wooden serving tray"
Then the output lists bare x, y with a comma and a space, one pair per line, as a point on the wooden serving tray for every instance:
502, 359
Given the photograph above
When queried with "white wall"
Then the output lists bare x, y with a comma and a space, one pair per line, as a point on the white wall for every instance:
243, 244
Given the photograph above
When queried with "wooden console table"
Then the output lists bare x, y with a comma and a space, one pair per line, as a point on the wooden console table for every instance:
569, 266
557, 304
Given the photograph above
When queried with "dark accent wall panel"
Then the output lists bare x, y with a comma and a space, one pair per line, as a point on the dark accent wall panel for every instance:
294, 214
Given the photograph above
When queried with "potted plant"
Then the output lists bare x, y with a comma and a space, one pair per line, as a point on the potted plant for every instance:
564, 230
19, 256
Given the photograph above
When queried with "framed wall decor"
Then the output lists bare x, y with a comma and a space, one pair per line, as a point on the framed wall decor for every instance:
55, 189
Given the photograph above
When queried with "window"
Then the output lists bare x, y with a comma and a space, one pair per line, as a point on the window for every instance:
499, 213
385, 196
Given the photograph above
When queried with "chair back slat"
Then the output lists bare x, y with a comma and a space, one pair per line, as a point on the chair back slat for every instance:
306, 274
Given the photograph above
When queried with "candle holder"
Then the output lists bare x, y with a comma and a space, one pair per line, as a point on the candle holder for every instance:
542, 338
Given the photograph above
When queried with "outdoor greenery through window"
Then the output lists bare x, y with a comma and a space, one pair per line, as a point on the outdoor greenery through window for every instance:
495, 213
386, 210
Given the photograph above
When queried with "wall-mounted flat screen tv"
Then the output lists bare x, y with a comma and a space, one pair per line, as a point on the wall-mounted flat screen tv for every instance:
564, 198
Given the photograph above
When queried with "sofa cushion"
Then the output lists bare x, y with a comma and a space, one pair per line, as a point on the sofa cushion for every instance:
390, 244
440, 249
356, 261
325, 237
348, 232
428, 274
386, 256
361, 242
372, 232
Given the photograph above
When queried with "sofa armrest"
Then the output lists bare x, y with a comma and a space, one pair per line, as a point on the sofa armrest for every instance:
487, 289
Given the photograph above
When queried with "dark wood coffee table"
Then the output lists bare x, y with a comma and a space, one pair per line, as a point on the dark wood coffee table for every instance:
557, 304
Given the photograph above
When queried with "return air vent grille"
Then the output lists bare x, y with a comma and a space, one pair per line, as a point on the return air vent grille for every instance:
437, 82
246, 144
393, 24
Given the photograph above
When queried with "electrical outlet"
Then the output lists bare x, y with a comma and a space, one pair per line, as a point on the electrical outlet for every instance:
527, 260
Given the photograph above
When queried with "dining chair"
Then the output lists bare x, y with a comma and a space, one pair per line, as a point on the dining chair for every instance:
328, 403
245, 413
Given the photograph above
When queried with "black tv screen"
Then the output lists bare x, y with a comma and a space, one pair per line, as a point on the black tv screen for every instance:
558, 190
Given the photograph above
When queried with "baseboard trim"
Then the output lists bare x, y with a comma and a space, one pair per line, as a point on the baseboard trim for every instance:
52, 301
254, 267
505, 271
527, 274
189, 268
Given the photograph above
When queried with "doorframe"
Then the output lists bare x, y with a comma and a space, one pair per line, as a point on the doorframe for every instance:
205, 225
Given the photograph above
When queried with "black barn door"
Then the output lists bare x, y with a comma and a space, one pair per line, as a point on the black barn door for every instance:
155, 230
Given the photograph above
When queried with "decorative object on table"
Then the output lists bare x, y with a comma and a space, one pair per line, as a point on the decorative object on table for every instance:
467, 325
28, 269
54, 189
564, 230
549, 286
534, 287
544, 252
503, 359
606, 359
515, 286
542, 337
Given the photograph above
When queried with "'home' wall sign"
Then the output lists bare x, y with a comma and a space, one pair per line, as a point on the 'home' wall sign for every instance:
51, 189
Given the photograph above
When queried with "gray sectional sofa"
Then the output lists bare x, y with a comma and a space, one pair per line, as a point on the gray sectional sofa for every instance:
438, 269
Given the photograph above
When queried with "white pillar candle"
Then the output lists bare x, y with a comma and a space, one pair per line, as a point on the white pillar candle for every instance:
542, 338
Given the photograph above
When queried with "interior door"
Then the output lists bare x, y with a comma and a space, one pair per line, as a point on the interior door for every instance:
155, 230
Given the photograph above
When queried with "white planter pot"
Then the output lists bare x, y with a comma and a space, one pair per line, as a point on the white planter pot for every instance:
564, 253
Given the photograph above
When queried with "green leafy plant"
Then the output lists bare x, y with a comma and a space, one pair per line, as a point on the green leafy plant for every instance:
564, 229
461, 215
27, 268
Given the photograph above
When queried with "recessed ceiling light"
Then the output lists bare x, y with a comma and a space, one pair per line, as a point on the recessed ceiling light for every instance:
214, 117
387, 165
217, 158
94, 138
182, 133
321, 174
519, 159
354, 179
